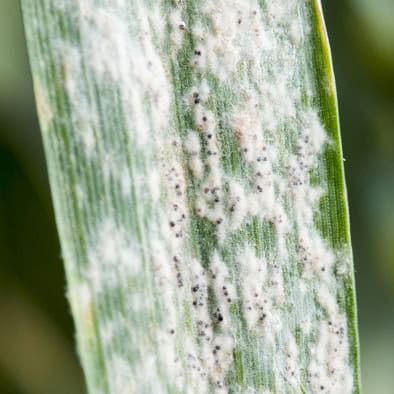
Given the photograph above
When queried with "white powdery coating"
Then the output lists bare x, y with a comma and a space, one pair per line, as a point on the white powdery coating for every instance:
178, 29
283, 193
109, 328
120, 50
328, 370
292, 362
238, 205
225, 291
316, 257
221, 50
196, 166
207, 355
192, 146
122, 382
108, 39
111, 251
262, 294
154, 185
126, 380
192, 143
83, 117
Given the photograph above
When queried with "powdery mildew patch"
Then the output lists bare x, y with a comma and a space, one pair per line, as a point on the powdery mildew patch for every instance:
168, 312
266, 42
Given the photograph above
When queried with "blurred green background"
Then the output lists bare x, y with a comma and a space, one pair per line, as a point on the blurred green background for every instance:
37, 351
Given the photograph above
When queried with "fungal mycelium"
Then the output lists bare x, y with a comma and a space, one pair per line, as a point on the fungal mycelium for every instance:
196, 170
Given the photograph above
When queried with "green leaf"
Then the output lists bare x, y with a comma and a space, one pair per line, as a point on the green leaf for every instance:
196, 169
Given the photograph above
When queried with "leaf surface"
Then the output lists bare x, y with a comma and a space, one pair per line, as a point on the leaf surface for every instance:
196, 170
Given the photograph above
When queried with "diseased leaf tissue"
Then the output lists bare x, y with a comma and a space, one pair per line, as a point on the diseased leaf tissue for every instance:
196, 172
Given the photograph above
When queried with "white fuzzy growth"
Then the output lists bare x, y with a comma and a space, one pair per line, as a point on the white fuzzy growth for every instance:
128, 380
329, 370
113, 247
254, 53
83, 115
233, 39
111, 250
315, 256
109, 328
248, 131
108, 41
296, 32
196, 166
315, 132
192, 143
287, 199
292, 363
224, 289
260, 293
178, 28
154, 185
344, 262
122, 381
238, 205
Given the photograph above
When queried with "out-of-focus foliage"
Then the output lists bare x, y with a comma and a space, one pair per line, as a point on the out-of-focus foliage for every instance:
37, 353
